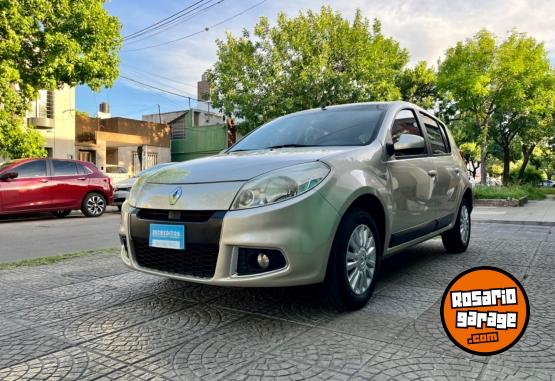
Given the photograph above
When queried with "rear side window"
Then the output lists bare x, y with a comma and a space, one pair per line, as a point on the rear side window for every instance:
437, 137
64, 168
35, 168
82, 169
406, 123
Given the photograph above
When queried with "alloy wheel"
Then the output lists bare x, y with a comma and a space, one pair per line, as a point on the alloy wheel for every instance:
464, 224
361, 259
96, 205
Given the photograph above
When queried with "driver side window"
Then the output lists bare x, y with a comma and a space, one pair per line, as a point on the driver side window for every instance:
406, 123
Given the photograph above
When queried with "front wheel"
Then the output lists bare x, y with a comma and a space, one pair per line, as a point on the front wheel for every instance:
354, 262
94, 205
456, 240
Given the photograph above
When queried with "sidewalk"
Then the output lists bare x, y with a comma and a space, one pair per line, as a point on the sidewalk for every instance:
534, 213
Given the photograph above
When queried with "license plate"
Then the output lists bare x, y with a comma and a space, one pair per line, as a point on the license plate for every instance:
167, 236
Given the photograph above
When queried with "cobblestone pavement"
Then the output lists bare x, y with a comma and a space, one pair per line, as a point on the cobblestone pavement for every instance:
92, 318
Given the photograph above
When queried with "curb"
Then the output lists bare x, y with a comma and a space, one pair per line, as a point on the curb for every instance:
535, 223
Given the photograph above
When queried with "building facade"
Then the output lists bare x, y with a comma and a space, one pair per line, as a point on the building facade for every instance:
112, 144
195, 132
53, 115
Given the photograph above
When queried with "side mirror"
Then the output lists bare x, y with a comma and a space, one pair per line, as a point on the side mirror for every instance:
408, 142
8, 176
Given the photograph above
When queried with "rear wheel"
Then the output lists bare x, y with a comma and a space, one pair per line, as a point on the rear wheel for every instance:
61, 213
94, 205
354, 262
456, 240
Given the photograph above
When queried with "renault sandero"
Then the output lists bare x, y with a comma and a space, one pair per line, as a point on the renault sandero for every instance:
317, 196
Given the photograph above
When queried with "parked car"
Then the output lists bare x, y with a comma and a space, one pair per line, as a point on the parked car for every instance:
116, 174
548, 183
53, 185
122, 188
318, 196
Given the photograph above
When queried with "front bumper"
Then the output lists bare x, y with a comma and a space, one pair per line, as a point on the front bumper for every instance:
302, 229
119, 197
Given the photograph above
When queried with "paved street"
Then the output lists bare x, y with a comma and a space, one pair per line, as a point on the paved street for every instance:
534, 212
43, 235
91, 318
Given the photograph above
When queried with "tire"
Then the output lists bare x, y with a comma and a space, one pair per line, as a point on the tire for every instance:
119, 208
93, 205
456, 240
61, 213
337, 289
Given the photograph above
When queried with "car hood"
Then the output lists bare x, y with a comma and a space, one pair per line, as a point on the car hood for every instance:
238, 166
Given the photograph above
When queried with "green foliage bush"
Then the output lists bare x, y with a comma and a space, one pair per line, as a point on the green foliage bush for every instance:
531, 175
511, 191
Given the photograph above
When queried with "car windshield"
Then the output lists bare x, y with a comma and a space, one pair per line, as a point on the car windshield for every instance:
342, 126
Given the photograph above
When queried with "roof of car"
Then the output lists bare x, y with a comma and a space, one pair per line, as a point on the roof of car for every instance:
362, 104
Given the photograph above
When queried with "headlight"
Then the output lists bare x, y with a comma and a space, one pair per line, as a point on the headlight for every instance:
280, 185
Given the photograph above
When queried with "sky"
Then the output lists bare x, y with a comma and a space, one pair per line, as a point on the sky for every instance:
425, 27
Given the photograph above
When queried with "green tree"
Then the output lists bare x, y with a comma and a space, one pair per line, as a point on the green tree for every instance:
314, 59
43, 45
419, 85
468, 76
471, 154
526, 106
505, 87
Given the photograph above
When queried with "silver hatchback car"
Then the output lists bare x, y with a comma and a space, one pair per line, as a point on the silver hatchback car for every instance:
318, 196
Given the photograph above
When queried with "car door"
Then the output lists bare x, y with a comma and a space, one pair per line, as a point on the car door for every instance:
30, 190
412, 183
448, 179
69, 183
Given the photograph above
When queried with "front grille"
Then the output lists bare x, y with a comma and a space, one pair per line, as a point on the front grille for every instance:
198, 260
178, 215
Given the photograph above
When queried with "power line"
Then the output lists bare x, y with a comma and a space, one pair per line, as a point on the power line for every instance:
155, 31
155, 82
166, 91
150, 74
162, 21
155, 87
206, 29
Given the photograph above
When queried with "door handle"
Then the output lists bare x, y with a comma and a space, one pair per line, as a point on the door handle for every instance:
432, 173
81, 178
43, 181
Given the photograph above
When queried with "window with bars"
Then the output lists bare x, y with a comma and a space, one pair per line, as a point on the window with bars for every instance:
43, 106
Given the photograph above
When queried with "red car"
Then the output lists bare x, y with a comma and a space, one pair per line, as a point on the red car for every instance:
53, 185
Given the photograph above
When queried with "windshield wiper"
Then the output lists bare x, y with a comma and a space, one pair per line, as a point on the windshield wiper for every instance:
288, 146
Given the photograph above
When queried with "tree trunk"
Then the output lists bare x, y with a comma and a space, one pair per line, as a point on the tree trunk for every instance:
527, 153
506, 164
483, 157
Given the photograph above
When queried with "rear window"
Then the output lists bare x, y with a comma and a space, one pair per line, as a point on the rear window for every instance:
83, 170
437, 137
64, 168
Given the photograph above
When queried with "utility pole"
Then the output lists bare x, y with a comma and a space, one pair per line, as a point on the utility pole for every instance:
159, 115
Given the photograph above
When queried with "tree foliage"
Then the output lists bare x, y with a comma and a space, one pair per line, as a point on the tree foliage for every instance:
43, 45
504, 87
314, 59
419, 85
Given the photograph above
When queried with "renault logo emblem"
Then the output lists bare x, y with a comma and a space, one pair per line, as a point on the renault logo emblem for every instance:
175, 195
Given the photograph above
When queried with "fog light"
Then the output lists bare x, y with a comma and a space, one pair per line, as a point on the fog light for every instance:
263, 261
